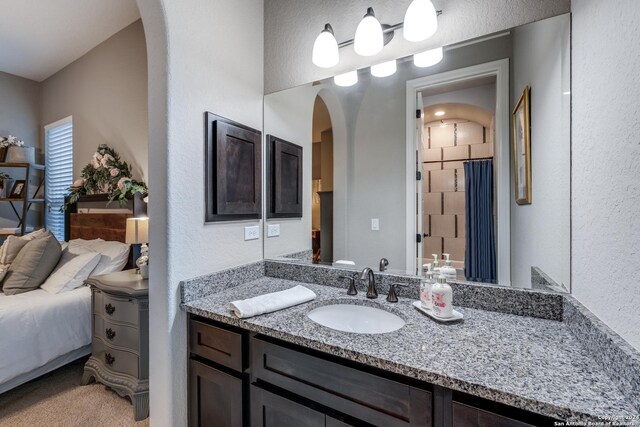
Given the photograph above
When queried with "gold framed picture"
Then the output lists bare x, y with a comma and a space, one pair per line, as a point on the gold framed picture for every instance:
521, 123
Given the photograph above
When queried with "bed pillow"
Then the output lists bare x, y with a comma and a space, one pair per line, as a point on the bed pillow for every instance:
13, 244
71, 272
114, 255
32, 265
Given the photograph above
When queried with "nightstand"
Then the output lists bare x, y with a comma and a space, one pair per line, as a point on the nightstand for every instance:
120, 337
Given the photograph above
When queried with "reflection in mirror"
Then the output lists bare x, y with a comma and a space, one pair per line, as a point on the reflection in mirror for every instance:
384, 182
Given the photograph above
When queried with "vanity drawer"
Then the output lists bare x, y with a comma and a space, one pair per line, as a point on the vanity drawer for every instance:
216, 344
120, 361
362, 395
126, 337
118, 309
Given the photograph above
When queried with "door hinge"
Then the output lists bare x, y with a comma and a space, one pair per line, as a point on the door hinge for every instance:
418, 175
418, 238
418, 114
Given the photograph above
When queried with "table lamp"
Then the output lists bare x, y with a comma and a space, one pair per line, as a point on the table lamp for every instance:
138, 234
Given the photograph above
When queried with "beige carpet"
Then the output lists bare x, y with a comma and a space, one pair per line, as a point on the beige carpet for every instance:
58, 399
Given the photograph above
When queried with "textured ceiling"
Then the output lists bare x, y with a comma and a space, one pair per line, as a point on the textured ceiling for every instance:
40, 37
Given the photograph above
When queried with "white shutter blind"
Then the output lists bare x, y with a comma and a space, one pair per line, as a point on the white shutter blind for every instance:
58, 173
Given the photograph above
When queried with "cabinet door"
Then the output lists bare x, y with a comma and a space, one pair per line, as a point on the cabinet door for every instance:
271, 410
215, 398
468, 416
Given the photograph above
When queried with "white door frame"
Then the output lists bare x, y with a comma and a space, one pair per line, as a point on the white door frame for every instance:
499, 69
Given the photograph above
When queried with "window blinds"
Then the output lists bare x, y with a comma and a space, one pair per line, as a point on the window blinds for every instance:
58, 173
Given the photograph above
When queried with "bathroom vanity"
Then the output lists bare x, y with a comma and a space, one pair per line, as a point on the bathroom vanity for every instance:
282, 368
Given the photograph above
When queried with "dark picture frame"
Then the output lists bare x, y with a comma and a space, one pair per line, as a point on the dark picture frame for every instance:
18, 190
233, 168
284, 178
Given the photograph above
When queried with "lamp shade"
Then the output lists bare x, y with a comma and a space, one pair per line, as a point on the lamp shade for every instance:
420, 21
384, 69
325, 49
369, 39
137, 231
428, 58
346, 79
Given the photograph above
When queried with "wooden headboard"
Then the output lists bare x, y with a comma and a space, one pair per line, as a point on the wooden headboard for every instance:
103, 225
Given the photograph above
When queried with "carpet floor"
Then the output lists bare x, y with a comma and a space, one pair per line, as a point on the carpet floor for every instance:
58, 399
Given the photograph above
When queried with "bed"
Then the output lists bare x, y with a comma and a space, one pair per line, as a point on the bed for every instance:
40, 331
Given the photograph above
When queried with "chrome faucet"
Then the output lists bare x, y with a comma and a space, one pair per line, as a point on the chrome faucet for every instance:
384, 263
367, 274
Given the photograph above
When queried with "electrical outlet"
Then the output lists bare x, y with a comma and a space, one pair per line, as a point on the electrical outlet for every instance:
252, 232
375, 224
273, 230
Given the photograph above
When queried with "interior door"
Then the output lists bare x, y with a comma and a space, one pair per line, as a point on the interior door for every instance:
419, 180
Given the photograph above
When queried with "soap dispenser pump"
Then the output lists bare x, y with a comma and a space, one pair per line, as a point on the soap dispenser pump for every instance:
442, 298
448, 271
435, 267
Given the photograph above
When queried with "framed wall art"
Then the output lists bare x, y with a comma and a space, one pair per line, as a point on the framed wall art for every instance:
284, 178
521, 123
232, 170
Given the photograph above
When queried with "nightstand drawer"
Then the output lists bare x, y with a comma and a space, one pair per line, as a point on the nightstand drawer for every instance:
120, 361
118, 309
216, 344
115, 334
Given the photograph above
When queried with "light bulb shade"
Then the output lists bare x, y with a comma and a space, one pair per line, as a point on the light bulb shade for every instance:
369, 39
346, 79
420, 21
325, 49
137, 231
428, 58
384, 69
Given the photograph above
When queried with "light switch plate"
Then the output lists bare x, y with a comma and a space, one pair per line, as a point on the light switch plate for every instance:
273, 230
375, 224
252, 232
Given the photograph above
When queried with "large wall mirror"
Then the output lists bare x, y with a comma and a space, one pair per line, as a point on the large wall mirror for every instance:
425, 161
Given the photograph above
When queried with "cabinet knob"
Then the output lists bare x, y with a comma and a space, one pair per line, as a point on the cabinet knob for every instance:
109, 359
109, 308
110, 333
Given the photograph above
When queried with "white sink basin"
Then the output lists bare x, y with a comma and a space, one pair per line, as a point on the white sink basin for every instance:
359, 319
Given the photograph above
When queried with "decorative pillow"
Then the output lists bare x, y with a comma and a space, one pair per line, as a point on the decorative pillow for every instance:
13, 244
114, 254
71, 272
3, 272
32, 265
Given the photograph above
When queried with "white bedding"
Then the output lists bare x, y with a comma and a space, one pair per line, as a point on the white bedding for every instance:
37, 327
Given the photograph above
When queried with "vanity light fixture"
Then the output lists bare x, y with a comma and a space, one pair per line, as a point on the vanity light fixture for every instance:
420, 21
346, 79
428, 58
325, 49
384, 69
439, 113
369, 39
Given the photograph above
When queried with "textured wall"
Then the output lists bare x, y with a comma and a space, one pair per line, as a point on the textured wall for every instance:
20, 116
204, 55
540, 232
291, 31
606, 161
106, 93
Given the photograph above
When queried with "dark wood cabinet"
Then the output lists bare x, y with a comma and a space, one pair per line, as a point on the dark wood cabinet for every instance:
241, 379
215, 397
284, 178
271, 410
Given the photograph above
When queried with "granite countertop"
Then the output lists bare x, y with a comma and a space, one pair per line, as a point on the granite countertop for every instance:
530, 363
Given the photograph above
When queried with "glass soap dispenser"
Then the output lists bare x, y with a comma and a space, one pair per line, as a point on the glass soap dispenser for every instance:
426, 285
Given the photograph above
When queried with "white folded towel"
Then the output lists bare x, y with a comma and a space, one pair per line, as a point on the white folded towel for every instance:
271, 302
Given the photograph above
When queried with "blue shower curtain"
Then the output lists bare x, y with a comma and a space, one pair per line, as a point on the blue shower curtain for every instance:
480, 252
